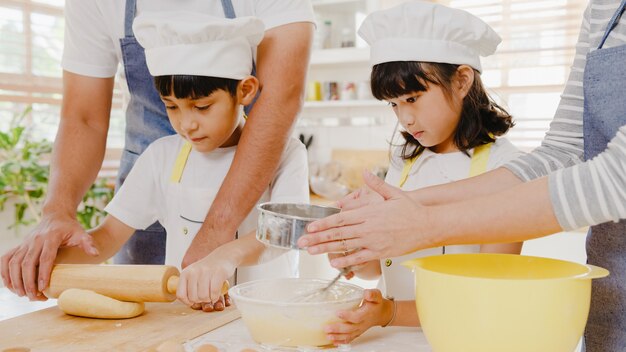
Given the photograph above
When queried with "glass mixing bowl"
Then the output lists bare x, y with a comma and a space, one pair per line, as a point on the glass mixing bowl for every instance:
283, 312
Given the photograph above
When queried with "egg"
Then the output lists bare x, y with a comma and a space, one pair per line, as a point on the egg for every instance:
207, 348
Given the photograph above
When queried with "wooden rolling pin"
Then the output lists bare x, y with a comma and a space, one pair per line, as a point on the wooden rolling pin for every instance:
132, 283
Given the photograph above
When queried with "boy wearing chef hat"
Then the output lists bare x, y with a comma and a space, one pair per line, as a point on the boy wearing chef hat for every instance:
426, 65
202, 67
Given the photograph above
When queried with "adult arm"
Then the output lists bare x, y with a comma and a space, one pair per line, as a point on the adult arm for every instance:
408, 226
76, 158
586, 194
282, 58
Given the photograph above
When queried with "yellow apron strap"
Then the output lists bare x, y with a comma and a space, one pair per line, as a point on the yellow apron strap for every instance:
408, 165
478, 164
181, 161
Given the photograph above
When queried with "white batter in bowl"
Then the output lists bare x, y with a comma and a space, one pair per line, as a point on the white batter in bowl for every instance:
275, 316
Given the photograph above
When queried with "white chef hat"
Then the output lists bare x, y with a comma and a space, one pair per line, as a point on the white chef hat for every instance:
190, 43
428, 32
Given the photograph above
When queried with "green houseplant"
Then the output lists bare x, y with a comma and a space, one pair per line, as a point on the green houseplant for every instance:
24, 172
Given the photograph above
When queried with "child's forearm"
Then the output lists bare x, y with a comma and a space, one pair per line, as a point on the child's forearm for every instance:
406, 314
108, 239
247, 251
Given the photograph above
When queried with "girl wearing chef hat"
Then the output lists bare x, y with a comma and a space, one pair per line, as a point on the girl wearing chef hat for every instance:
202, 68
426, 65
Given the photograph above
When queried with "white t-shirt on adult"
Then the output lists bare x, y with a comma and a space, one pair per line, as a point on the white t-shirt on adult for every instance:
93, 28
148, 195
432, 169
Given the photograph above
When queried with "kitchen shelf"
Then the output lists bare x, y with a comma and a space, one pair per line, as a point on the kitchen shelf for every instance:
339, 56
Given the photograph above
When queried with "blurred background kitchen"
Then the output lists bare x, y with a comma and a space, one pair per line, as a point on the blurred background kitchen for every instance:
344, 127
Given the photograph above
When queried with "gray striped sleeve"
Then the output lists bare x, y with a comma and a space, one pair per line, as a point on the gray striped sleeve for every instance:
594, 192
563, 143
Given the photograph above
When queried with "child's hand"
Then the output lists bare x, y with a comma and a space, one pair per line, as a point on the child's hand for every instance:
369, 270
374, 311
201, 283
359, 198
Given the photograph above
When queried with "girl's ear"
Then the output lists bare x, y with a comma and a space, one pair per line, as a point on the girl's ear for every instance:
247, 89
464, 80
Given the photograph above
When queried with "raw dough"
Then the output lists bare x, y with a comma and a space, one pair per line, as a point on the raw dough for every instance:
86, 303
207, 348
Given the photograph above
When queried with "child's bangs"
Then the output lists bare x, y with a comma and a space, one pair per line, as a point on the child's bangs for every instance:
393, 79
193, 87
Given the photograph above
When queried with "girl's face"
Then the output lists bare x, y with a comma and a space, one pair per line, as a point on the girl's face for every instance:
213, 121
430, 117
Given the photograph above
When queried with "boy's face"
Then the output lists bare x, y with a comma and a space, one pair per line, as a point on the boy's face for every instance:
430, 116
207, 122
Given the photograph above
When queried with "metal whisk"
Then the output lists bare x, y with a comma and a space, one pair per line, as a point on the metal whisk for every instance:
318, 292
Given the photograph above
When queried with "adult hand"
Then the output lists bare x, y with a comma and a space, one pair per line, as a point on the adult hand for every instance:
380, 229
350, 274
373, 311
26, 268
200, 284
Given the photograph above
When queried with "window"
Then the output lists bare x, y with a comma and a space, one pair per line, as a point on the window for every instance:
527, 74
31, 45
529, 71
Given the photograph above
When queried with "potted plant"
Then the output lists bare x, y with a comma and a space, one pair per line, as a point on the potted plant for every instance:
24, 172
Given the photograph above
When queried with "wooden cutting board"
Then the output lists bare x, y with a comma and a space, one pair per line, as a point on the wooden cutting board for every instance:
52, 330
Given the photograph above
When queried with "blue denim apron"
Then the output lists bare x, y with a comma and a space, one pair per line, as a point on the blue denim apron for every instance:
146, 121
604, 113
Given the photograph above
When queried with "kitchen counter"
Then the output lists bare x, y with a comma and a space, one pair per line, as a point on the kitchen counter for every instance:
233, 337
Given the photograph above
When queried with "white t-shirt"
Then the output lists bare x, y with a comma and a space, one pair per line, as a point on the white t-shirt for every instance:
148, 195
93, 28
433, 169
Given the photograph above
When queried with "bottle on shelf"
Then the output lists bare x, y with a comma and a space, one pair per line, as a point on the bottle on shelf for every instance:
347, 39
326, 30
314, 91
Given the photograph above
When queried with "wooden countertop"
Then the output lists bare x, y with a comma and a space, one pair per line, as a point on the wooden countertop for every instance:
101, 335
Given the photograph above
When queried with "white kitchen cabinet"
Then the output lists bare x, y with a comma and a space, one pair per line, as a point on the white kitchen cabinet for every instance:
341, 65
350, 122
355, 120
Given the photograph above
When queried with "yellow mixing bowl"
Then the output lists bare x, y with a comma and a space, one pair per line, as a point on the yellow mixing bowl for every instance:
501, 302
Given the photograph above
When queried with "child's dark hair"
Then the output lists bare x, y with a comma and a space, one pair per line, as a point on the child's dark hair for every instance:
481, 118
194, 87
